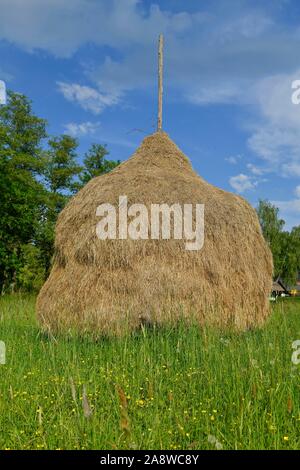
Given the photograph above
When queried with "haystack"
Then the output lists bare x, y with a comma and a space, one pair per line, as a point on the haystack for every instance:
109, 286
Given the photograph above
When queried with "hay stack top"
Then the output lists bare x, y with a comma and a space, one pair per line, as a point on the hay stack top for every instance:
158, 172
95, 284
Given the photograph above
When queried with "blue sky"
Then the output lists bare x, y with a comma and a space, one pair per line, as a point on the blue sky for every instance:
89, 67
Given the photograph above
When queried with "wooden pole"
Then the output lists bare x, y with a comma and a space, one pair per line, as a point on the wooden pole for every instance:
160, 81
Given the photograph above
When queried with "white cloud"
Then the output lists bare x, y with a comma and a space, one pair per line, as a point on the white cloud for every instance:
291, 169
276, 135
289, 211
219, 93
250, 25
233, 159
2, 92
5, 76
81, 129
242, 44
88, 98
275, 138
61, 27
255, 170
241, 48
242, 183
297, 191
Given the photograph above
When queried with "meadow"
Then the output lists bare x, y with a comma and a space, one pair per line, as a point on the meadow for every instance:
170, 388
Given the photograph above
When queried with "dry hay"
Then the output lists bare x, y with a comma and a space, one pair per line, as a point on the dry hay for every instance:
107, 286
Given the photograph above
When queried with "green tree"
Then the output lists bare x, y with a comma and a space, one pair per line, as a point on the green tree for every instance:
21, 194
288, 259
21, 133
295, 246
272, 227
96, 164
60, 164
31, 273
285, 246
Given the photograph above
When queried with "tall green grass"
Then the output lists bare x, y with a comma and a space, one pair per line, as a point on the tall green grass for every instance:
181, 388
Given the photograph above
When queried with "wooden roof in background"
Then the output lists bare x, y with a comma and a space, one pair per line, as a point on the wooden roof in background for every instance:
278, 287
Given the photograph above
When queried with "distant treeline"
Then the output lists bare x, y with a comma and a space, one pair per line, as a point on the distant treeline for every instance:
39, 173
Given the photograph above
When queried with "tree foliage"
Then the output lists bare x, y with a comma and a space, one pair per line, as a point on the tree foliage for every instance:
95, 163
21, 135
285, 246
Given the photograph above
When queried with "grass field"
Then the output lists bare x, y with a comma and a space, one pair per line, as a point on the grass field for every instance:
160, 389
